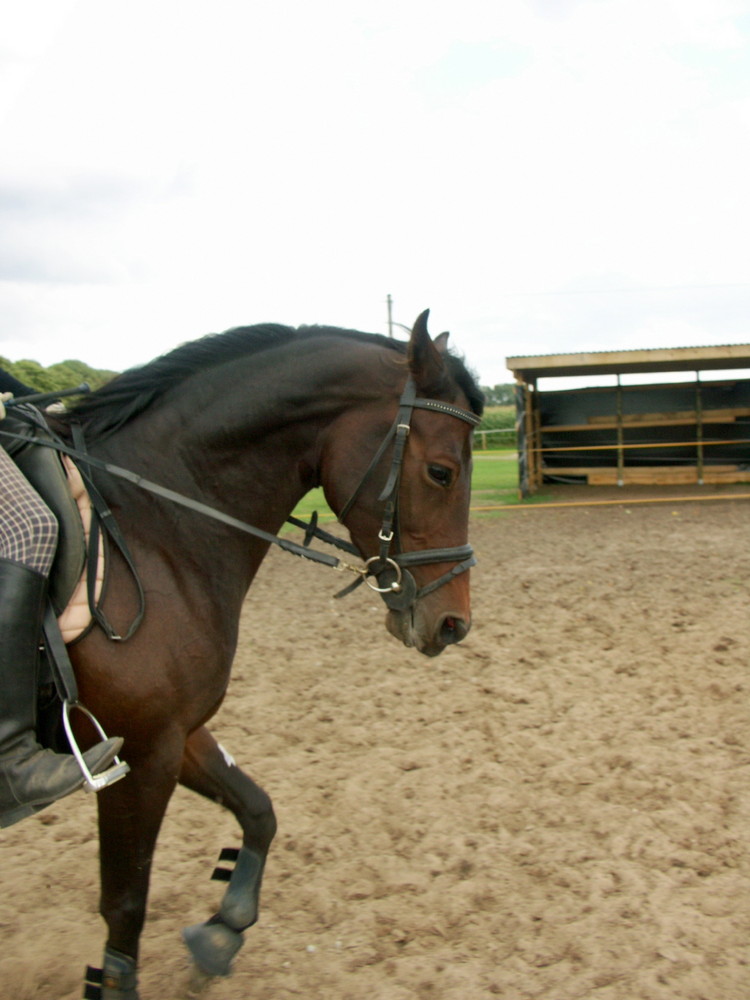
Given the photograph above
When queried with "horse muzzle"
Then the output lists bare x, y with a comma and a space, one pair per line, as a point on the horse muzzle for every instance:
414, 630
407, 618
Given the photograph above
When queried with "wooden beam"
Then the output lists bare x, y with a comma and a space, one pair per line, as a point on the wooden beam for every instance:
727, 415
660, 475
643, 445
626, 362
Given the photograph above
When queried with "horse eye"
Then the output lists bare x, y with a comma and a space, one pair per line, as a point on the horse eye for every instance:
440, 475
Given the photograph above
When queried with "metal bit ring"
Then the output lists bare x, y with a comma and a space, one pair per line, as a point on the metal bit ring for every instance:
395, 586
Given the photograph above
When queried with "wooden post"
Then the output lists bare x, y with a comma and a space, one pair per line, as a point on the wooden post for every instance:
699, 428
522, 439
531, 444
536, 436
620, 455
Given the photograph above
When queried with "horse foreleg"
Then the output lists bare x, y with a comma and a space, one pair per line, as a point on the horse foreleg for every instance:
210, 771
130, 815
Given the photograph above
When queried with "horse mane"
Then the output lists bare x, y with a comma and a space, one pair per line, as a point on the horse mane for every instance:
135, 390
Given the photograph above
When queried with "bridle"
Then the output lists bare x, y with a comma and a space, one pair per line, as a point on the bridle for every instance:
390, 570
392, 579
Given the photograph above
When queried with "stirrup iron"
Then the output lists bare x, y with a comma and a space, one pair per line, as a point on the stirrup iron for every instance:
91, 782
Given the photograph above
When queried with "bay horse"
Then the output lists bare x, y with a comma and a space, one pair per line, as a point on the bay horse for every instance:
247, 422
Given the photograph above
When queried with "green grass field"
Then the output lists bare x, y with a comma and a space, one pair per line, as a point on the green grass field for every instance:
495, 481
495, 478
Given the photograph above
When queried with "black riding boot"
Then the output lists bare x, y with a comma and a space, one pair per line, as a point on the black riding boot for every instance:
30, 777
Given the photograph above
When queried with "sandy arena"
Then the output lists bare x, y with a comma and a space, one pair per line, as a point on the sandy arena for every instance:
557, 809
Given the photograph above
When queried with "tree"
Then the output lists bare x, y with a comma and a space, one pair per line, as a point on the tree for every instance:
499, 395
62, 375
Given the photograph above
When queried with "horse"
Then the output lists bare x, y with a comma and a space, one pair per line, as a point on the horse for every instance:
245, 423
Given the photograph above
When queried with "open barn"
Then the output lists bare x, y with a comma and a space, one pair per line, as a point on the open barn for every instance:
630, 429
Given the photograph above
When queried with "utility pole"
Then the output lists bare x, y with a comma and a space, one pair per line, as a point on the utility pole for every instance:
389, 300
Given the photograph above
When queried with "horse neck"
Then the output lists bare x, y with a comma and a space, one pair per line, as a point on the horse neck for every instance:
246, 438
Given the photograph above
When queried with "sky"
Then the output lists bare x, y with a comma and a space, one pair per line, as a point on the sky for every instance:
546, 176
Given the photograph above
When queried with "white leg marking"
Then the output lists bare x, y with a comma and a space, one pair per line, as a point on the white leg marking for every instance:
228, 758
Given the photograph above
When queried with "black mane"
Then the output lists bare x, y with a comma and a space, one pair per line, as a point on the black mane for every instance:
132, 392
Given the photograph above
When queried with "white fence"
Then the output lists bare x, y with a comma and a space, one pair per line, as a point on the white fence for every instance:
480, 438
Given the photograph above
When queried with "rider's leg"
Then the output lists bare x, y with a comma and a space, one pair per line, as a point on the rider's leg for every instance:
30, 777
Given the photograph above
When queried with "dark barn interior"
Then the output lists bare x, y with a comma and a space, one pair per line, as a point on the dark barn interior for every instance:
696, 430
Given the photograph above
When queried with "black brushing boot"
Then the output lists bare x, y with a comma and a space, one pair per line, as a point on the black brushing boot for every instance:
30, 776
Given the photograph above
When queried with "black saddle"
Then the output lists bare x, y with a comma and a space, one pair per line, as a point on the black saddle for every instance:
45, 471
57, 687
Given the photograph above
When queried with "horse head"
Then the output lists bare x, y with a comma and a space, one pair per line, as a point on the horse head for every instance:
408, 510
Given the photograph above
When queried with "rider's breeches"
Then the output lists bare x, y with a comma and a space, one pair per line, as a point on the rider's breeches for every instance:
28, 528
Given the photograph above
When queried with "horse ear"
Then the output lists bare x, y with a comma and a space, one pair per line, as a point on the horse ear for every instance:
426, 357
441, 342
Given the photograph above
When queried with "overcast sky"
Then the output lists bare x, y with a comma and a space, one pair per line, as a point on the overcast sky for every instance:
545, 175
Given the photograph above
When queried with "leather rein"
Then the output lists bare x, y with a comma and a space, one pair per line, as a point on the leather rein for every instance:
395, 583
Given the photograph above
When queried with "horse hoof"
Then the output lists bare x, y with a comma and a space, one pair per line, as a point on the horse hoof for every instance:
213, 946
197, 983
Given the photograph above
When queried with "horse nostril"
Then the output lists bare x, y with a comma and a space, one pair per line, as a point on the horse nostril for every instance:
452, 630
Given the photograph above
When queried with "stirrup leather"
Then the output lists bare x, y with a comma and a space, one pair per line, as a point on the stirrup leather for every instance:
91, 782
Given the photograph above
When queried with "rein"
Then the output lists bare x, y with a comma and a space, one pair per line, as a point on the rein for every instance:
394, 582
181, 500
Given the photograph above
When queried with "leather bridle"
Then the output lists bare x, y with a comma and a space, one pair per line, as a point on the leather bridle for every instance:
390, 570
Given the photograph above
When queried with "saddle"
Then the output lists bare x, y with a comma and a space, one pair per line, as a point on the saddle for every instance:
73, 591
57, 480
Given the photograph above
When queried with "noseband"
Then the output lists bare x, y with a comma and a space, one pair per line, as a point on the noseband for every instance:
392, 579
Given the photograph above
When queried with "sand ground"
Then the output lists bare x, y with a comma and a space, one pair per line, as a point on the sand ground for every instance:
557, 809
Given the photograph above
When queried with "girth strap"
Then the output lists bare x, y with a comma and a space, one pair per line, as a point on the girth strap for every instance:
102, 517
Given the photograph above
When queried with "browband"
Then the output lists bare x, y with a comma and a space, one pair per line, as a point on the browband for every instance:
449, 408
